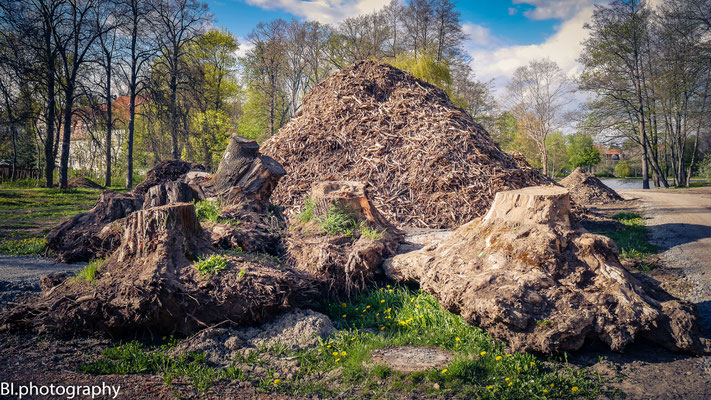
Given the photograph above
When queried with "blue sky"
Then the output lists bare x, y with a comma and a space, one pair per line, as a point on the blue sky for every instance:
505, 34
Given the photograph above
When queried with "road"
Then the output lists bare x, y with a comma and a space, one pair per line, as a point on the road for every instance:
19, 274
680, 224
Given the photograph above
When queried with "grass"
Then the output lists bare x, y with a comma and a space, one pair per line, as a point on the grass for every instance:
340, 365
88, 273
632, 239
338, 221
31, 212
208, 210
211, 265
33, 246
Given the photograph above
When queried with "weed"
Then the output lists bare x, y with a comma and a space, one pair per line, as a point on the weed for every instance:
241, 274
369, 232
632, 238
544, 322
308, 212
211, 265
208, 210
339, 221
88, 273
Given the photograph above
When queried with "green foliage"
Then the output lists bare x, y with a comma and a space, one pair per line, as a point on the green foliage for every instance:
427, 68
24, 247
254, 122
623, 170
581, 151
369, 232
135, 358
308, 212
88, 273
705, 167
557, 152
632, 238
211, 265
208, 210
339, 222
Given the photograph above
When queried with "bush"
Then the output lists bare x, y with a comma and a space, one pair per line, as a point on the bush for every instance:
705, 167
623, 170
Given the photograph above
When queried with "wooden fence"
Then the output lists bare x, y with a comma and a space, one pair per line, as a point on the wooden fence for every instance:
20, 172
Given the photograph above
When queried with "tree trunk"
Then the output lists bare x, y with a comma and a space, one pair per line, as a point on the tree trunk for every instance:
109, 121
49, 152
66, 136
174, 109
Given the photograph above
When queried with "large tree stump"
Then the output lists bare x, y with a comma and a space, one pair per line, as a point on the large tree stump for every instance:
529, 277
168, 193
238, 158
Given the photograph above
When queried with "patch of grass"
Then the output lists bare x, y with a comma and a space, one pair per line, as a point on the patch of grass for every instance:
32, 212
339, 221
633, 238
307, 213
211, 265
397, 317
135, 358
369, 232
208, 210
24, 247
88, 273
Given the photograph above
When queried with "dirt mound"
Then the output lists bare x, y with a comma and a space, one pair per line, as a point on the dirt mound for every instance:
586, 189
529, 276
81, 182
152, 283
427, 162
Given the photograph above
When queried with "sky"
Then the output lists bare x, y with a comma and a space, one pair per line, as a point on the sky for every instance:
504, 34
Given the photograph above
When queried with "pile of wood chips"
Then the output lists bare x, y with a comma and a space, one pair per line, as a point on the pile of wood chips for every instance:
426, 161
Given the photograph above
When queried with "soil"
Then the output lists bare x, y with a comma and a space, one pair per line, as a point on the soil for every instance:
407, 359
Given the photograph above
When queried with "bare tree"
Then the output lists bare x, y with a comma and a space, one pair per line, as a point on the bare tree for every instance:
538, 95
177, 23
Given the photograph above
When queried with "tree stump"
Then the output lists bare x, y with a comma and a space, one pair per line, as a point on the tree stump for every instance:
347, 195
528, 276
169, 193
236, 161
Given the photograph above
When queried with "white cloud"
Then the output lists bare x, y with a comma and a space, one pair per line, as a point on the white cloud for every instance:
326, 11
479, 36
563, 47
550, 9
244, 46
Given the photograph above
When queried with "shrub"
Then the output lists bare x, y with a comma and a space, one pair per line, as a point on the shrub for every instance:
705, 167
623, 170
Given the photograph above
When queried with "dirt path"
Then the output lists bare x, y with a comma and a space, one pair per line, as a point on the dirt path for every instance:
680, 224
20, 274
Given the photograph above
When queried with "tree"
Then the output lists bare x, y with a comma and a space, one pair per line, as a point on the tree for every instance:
581, 151
557, 149
623, 170
537, 95
178, 23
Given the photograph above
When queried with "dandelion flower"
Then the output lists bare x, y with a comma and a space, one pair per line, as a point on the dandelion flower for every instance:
368, 307
456, 339
422, 316
444, 371
335, 354
172, 357
574, 389
382, 328
276, 381
388, 286
490, 387
343, 353
498, 358
533, 363
507, 379
382, 301
552, 385
338, 359
509, 355
344, 305
344, 315
483, 353
545, 391
510, 383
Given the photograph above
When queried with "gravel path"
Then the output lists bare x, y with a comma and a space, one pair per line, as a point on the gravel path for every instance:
19, 274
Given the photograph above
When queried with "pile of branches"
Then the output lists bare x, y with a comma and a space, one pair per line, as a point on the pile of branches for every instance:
429, 164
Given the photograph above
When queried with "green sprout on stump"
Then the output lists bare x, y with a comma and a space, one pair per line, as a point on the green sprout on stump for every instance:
211, 265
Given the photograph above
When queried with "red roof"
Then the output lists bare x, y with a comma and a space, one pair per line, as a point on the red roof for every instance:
614, 151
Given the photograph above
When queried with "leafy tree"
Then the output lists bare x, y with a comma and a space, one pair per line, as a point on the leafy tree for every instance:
556, 146
623, 170
581, 151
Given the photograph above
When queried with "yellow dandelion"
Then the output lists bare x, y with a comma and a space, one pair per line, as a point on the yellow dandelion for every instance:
417, 306
483, 353
343, 353
328, 347
352, 339
390, 291
388, 310
335, 354
422, 316
490, 387
388, 286
457, 339
533, 363
509, 355
510, 383
498, 358
507, 379
172, 357
444, 371
344, 315
344, 305
545, 391
382, 328
518, 369
368, 307
382, 301
276, 381
338, 359
574, 389
412, 299
364, 310
118, 347
552, 385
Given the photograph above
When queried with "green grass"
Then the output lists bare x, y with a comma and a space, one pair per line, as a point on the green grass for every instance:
32, 212
88, 273
632, 239
338, 221
211, 265
369, 232
340, 365
135, 358
307, 213
208, 210
34, 246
